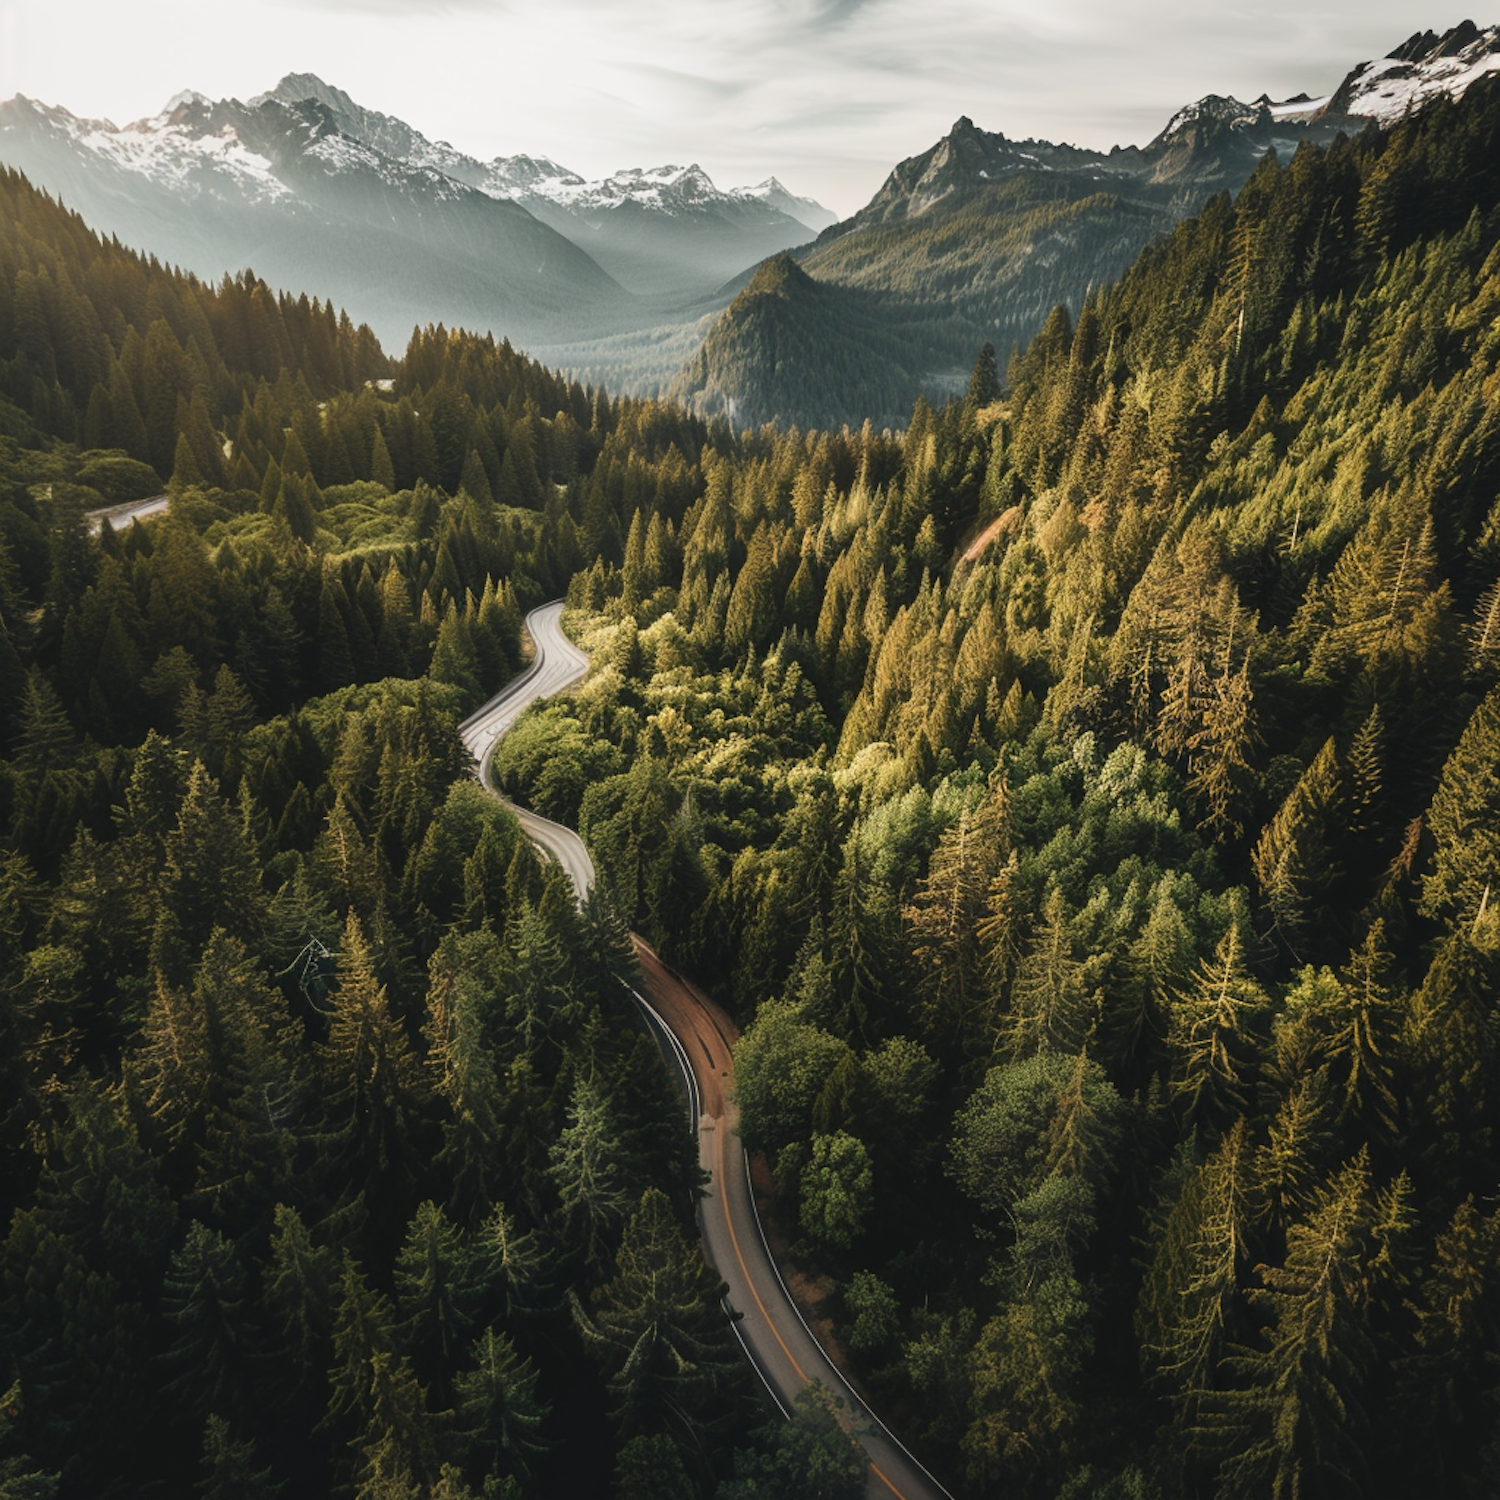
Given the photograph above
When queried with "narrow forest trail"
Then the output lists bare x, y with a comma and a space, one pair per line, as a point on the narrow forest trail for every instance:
698, 1035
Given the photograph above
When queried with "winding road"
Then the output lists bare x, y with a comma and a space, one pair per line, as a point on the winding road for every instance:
119, 517
698, 1036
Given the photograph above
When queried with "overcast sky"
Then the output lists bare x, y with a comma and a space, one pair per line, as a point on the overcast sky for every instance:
826, 94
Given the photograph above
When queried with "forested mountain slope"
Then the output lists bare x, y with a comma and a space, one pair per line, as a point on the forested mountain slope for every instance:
789, 345
1112, 917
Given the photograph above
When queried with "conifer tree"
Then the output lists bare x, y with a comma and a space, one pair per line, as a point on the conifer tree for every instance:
588, 1168
373, 1090
210, 880
1048, 1006
297, 1290
659, 1332
1189, 1312
947, 916
498, 1409
1465, 820
437, 1284
1293, 1420
1212, 1035
206, 1299
229, 1469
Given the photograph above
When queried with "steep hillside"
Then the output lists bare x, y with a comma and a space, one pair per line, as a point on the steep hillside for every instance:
796, 351
1117, 958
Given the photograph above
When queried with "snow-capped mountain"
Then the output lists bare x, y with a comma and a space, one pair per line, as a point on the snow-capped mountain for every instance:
1421, 68
670, 190
314, 190
660, 229
805, 210
665, 229
1424, 67
1218, 110
513, 176
279, 187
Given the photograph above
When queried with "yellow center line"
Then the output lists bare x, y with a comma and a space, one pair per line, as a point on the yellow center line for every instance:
734, 1240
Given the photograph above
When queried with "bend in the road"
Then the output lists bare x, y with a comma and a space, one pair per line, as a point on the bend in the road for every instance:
698, 1038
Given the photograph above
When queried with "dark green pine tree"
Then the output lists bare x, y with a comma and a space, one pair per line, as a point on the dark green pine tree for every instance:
1295, 1423
474, 481
498, 1410
373, 1091
364, 1328
293, 507
461, 1066
211, 880
984, 383
516, 1265
659, 1331
229, 1467
206, 1300
1465, 822
591, 1172
439, 1283
297, 1290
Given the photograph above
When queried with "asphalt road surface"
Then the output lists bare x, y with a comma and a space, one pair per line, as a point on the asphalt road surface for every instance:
698, 1035
119, 517
557, 665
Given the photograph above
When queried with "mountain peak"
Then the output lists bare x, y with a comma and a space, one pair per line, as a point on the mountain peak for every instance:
1422, 67
1216, 111
775, 194
779, 275
295, 87
1424, 46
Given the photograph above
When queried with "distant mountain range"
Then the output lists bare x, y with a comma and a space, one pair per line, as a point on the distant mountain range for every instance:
316, 192
980, 237
646, 279
655, 230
